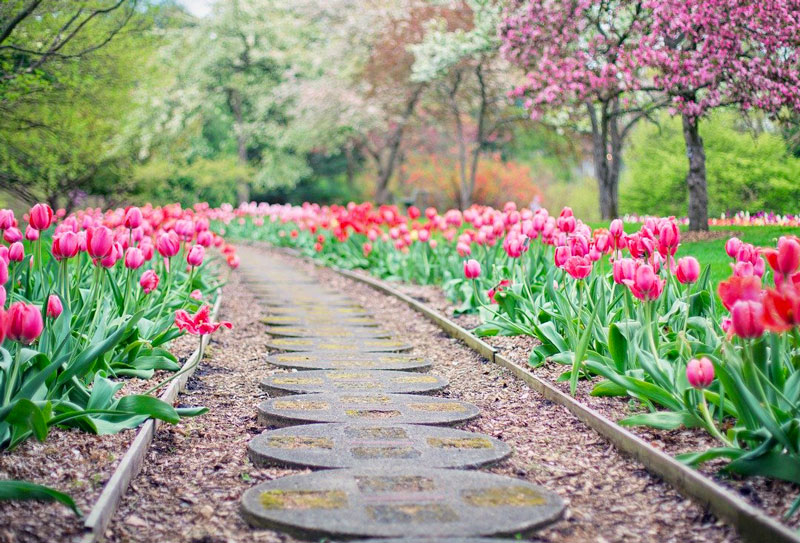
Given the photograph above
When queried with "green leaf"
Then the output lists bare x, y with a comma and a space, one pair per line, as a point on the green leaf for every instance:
580, 351
608, 388
147, 405
24, 490
664, 420
191, 411
26, 415
773, 464
617, 347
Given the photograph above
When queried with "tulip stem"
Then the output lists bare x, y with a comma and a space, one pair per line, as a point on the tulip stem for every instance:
181, 372
710, 426
12, 377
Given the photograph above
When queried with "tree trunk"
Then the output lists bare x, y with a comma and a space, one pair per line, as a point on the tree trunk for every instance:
235, 103
480, 134
606, 155
350, 165
696, 176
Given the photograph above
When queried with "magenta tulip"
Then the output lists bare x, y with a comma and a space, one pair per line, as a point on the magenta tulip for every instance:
16, 252
6, 219
23, 323
41, 216
747, 316
134, 258
3, 274
700, 372
472, 269
195, 255
65, 245
31, 233
99, 242
54, 307
579, 267
133, 217
732, 247
148, 281
688, 270
168, 244
562, 254
12, 235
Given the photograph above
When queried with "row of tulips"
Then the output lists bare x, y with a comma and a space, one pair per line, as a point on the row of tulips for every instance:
618, 307
93, 297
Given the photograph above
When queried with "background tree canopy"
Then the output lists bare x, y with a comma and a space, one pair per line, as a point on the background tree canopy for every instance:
111, 101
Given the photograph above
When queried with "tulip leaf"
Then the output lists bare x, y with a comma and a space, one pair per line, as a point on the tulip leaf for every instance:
663, 420
148, 405
24, 490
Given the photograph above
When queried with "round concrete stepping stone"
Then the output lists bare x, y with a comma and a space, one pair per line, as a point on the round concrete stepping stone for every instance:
427, 503
317, 310
374, 446
355, 407
438, 540
362, 345
371, 381
333, 303
344, 361
319, 320
327, 331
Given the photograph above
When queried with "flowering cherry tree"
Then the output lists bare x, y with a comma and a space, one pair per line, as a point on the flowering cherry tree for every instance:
581, 67
709, 54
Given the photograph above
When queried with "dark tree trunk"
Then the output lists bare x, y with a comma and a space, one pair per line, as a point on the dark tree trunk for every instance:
696, 177
351, 164
607, 157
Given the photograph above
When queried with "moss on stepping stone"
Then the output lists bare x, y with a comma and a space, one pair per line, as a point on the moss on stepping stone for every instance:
350, 381
311, 360
359, 345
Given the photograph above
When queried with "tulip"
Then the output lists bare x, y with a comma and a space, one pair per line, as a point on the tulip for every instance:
31, 233
168, 245
3, 275
617, 228
16, 252
2, 305
463, 249
747, 316
6, 219
366, 248
472, 269
205, 238
54, 307
734, 289
134, 258
688, 270
732, 247
645, 285
148, 281
196, 295
624, 270
65, 245
41, 216
23, 323
786, 259
114, 255
200, 323
99, 242
133, 218
12, 235
233, 261
579, 267
700, 372
562, 254
195, 255
782, 308
669, 237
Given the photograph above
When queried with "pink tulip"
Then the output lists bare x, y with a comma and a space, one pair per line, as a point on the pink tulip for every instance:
148, 281
205, 238
645, 285
134, 258
41, 216
113, 256
196, 295
747, 318
579, 267
12, 235
3, 274
2, 315
463, 249
99, 242
54, 307
472, 269
31, 233
669, 237
195, 255
23, 323
617, 228
6, 219
233, 261
65, 245
732, 246
168, 245
700, 372
561, 255
133, 218
16, 252
786, 259
688, 270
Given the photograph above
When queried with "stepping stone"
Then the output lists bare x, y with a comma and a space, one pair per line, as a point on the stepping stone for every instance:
363, 345
438, 540
317, 310
374, 408
344, 361
328, 331
385, 382
319, 320
374, 446
302, 303
352, 503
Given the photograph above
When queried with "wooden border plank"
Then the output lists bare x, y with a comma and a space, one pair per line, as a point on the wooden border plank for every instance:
106, 505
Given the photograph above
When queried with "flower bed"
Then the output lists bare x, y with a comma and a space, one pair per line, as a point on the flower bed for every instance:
601, 302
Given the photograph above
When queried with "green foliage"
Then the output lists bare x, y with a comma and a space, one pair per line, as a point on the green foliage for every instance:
745, 171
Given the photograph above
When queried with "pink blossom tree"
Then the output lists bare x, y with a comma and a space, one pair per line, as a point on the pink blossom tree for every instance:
714, 53
580, 67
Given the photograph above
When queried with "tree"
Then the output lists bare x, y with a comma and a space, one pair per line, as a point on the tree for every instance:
580, 70
721, 53
459, 57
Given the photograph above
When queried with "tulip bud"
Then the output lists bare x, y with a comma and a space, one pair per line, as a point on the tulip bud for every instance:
196, 295
700, 372
54, 307
472, 269
99, 242
688, 270
41, 216
148, 281
133, 217
746, 316
195, 255
31, 233
134, 258
23, 323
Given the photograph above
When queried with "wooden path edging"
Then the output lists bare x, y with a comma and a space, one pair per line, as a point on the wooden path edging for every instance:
751, 523
107, 503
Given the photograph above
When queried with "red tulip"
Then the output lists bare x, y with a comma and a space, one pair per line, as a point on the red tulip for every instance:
688, 270
472, 269
41, 216
414, 213
198, 324
16, 252
782, 308
23, 323
148, 281
786, 259
739, 288
747, 318
195, 255
54, 307
134, 258
99, 242
700, 372
233, 261
579, 267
